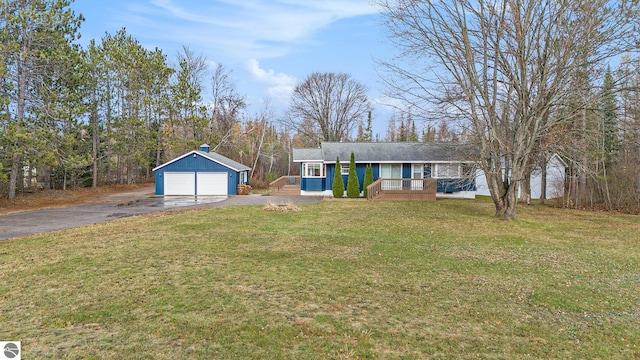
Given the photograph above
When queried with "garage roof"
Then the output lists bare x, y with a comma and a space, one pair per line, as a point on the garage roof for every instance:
215, 157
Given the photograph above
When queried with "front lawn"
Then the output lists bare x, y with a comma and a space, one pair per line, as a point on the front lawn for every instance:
337, 280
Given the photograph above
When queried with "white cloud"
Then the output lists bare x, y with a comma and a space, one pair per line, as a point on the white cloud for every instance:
279, 85
244, 29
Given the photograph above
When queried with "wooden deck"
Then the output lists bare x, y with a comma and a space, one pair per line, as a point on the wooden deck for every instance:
402, 189
285, 186
382, 189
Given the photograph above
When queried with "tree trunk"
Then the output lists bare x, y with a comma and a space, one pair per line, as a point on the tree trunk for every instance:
498, 191
511, 202
13, 175
543, 179
46, 177
95, 139
581, 189
525, 189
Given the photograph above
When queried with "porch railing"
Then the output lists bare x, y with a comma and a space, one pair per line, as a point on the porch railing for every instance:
280, 182
402, 189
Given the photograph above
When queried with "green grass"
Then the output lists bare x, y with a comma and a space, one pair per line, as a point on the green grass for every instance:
337, 280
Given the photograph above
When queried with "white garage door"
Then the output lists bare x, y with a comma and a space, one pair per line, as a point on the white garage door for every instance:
179, 183
212, 183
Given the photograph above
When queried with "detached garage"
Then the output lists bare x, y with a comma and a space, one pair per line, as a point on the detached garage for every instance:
200, 173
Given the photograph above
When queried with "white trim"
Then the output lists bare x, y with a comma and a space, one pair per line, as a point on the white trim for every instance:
316, 193
342, 166
457, 195
305, 170
310, 161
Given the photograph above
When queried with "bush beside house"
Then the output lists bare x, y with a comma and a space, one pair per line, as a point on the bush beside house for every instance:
338, 183
368, 178
353, 184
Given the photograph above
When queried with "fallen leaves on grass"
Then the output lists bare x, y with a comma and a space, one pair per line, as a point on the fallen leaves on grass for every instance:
281, 207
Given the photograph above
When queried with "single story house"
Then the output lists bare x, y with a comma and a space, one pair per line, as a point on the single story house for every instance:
200, 172
450, 164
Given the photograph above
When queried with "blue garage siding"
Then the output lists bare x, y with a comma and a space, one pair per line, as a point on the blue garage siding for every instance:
196, 164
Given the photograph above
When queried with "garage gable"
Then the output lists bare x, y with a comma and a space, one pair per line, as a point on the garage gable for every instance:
199, 173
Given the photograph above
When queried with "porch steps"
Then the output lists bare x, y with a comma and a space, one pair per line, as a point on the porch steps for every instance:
287, 190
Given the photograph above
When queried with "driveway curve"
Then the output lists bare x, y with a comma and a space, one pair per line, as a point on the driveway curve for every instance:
122, 205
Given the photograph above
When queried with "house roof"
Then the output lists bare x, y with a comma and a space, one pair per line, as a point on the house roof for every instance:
308, 154
215, 157
386, 152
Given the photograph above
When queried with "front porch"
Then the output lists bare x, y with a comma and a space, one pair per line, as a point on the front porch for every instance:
403, 189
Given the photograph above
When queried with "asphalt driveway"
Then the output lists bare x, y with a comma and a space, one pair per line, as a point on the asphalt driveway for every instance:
124, 205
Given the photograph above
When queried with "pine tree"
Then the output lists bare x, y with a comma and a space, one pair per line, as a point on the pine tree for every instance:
368, 131
338, 183
368, 179
37, 38
413, 134
610, 119
353, 184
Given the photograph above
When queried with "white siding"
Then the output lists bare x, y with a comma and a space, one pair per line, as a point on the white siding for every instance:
555, 180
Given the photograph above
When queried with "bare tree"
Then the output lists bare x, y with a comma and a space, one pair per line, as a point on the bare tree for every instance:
500, 67
333, 103
226, 107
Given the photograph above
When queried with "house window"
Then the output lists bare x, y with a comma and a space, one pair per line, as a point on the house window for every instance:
448, 171
313, 170
391, 171
344, 169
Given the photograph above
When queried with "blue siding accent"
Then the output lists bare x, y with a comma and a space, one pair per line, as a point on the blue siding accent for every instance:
312, 184
196, 164
406, 171
361, 169
331, 168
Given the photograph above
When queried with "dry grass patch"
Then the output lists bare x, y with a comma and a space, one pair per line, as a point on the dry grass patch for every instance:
288, 207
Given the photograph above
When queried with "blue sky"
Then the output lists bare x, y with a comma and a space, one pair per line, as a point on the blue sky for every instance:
269, 45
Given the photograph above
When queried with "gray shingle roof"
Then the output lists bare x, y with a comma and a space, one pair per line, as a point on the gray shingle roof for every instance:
224, 161
387, 152
307, 154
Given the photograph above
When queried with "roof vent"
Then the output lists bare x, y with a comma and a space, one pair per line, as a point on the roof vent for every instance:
204, 148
